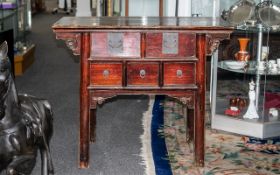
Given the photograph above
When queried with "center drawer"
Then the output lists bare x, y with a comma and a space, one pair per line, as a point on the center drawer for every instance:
142, 74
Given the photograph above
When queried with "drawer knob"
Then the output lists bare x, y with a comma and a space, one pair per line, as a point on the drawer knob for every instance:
179, 73
142, 73
106, 73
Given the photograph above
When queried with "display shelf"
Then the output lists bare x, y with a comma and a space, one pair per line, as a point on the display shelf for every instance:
227, 92
6, 14
263, 127
252, 69
266, 126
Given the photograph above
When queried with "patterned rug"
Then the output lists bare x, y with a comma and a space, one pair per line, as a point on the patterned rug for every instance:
225, 153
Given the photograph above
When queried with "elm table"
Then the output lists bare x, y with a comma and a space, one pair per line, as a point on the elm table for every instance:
142, 56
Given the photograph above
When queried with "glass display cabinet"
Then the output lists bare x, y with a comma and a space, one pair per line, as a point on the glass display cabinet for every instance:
245, 86
16, 15
15, 20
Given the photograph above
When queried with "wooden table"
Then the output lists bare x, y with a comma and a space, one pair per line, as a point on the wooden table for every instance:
141, 55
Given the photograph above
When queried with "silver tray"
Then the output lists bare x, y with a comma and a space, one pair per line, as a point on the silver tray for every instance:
240, 12
268, 13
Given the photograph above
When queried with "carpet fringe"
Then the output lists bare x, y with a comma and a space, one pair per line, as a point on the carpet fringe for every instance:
146, 150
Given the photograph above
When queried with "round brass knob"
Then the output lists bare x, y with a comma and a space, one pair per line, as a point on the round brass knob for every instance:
142, 73
179, 73
106, 73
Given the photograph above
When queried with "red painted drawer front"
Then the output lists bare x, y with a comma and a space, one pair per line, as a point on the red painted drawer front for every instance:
142, 74
106, 74
115, 44
178, 74
170, 44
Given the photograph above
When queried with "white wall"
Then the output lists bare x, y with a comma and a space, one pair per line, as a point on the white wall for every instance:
83, 8
151, 7
142, 7
206, 8
184, 7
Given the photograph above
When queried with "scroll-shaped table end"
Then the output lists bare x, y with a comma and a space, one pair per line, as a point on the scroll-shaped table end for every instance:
72, 40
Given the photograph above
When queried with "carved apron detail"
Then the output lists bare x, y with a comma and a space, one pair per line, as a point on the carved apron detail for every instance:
99, 101
214, 41
72, 41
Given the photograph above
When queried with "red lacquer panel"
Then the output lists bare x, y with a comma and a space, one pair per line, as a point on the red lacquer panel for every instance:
170, 44
178, 74
115, 44
106, 74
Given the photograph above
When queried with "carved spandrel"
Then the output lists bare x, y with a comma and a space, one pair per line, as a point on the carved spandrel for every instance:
213, 41
72, 41
99, 101
186, 100
213, 45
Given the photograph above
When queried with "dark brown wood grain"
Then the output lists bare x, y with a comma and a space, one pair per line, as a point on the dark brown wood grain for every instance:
84, 101
108, 93
172, 73
190, 124
106, 74
143, 45
196, 25
114, 51
200, 100
92, 124
149, 77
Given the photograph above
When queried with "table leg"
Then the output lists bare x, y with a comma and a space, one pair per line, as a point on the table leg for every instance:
198, 135
200, 100
84, 138
84, 101
92, 125
190, 124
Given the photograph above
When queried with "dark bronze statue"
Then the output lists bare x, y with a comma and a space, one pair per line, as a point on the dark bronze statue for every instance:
25, 126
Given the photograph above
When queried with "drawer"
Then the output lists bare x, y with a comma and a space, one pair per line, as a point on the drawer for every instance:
115, 44
106, 74
178, 74
170, 44
142, 74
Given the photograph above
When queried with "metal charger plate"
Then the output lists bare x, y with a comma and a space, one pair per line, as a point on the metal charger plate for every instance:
239, 12
268, 13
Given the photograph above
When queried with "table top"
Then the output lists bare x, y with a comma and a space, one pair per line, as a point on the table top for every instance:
186, 23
